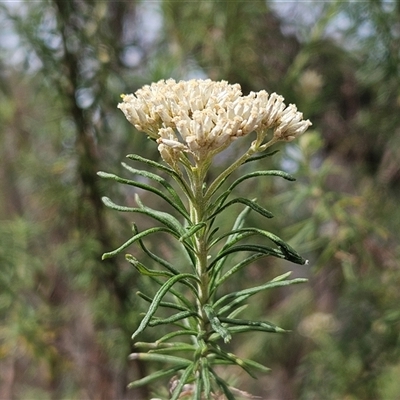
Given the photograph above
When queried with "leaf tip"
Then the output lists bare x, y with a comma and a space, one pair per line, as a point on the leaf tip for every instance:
133, 356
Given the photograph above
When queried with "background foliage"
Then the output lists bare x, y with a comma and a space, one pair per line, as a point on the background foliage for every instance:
66, 317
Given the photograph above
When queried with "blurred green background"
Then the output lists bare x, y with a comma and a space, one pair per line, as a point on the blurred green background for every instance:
66, 317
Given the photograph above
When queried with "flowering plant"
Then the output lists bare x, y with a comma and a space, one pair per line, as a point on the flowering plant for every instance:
192, 121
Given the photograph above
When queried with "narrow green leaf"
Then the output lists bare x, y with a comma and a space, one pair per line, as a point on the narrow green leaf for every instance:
289, 253
198, 389
243, 322
157, 299
260, 157
110, 204
164, 358
182, 381
155, 376
205, 377
246, 328
237, 267
158, 346
222, 197
144, 270
181, 348
239, 299
211, 235
281, 277
182, 332
192, 230
254, 174
155, 164
232, 237
276, 282
224, 386
216, 324
153, 256
162, 182
191, 257
249, 203
155, 273
237, 311
223, 254
239, 222
155, 345
165, 218
166, 169
173, 202
163, 303
174, 271
135, 238
174, 318
233, 359
247, 247
256, 365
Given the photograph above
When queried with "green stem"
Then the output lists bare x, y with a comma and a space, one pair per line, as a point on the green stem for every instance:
197, 215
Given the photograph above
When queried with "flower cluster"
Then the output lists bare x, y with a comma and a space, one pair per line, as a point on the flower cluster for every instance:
202, 117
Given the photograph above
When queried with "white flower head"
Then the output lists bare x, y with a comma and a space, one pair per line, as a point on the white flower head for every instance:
202, 117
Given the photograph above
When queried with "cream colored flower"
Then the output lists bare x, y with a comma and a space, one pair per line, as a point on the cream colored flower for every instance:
202, 117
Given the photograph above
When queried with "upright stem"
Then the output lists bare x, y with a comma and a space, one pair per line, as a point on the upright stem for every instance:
198, 210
